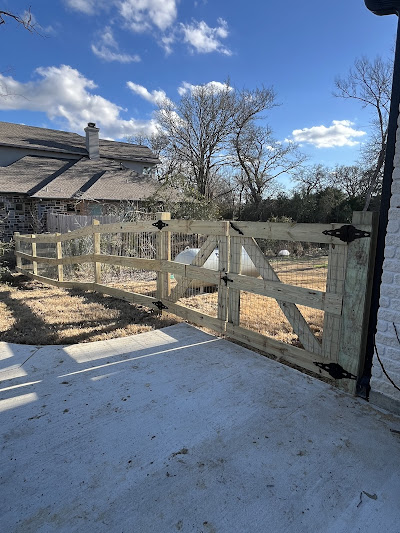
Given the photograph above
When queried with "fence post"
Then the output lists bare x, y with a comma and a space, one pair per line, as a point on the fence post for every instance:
357, 300
18, 248
60, 268
163, 252
223, 256
235, 266
34, 254
96, 251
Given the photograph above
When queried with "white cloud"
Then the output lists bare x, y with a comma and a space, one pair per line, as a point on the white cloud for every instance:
155, 97
340, 133
108, 49
213, 85
204, 39
142, 15
64, 93
159, 18
85, 6
167, 41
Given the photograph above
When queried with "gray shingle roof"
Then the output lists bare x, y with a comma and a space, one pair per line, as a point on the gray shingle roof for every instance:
28, 173
101, 179
121, 185
67, 142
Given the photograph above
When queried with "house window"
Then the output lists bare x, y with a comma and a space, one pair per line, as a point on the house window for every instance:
19, 207
70, 208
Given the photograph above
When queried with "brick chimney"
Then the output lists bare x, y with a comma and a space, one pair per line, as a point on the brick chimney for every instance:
92, 141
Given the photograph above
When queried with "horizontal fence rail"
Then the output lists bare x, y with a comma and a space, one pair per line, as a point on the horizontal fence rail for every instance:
245, 278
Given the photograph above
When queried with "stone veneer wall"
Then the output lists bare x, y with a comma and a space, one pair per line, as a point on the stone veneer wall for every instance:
29, 215
383, 392
26, 215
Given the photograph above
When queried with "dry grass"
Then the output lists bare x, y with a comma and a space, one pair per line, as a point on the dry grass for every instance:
262, 314
33, 313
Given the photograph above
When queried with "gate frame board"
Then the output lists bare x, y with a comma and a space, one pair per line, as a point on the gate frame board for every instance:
346, 300
357, 292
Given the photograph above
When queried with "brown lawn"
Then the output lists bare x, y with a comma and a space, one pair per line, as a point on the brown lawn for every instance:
34, 313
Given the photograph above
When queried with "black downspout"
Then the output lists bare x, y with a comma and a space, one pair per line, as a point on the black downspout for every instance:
363, 386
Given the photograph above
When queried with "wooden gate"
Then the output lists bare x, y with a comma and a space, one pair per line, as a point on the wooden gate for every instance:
342, 296
344, 300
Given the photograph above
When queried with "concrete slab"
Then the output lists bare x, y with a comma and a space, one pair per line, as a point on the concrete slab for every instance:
177, 430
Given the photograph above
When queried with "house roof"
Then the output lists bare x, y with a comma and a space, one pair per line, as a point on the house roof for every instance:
22, 136
27, 173
42, 177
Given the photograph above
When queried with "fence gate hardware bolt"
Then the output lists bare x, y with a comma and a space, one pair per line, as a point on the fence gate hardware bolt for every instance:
160, 224
160, 305
236, 228
347, 233
335, 370
226, 279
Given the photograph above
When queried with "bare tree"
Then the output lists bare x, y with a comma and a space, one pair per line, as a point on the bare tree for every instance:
200, 128
261, 160
353, 180
369, 82
311, 179
27, 20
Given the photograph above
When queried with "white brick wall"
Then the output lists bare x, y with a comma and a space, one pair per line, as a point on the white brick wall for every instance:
382, 391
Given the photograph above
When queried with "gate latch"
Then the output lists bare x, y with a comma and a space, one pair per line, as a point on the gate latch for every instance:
160, 305
335, 370
347, 233
160, 224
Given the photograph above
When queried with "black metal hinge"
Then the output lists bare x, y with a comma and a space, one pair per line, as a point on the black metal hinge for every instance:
226, 279
160, 305
347, 233
160, 224
236, 228
335, 370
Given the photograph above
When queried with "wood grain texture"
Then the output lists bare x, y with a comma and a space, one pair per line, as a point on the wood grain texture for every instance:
290, 310
234, 289
356, 299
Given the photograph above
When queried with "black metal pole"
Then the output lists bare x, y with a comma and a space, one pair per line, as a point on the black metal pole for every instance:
363, 388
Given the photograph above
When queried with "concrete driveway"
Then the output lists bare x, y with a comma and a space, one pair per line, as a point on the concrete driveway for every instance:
177, 430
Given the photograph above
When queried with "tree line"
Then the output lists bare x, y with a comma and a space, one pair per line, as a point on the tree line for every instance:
221, 159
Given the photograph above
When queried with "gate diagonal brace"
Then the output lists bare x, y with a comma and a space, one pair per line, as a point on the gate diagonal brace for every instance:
335, 370
160, 305
160, 224
347, 233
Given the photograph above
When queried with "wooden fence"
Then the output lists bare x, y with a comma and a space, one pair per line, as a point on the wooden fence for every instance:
64, 223
344, 302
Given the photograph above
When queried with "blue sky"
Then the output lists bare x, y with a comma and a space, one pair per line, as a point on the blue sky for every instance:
109, 61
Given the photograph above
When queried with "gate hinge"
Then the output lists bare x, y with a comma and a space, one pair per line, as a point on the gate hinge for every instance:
160, 305
347, 233
160, 224
335, 370
226, 279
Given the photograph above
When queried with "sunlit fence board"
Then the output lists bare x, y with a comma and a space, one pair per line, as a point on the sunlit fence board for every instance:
178, 288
